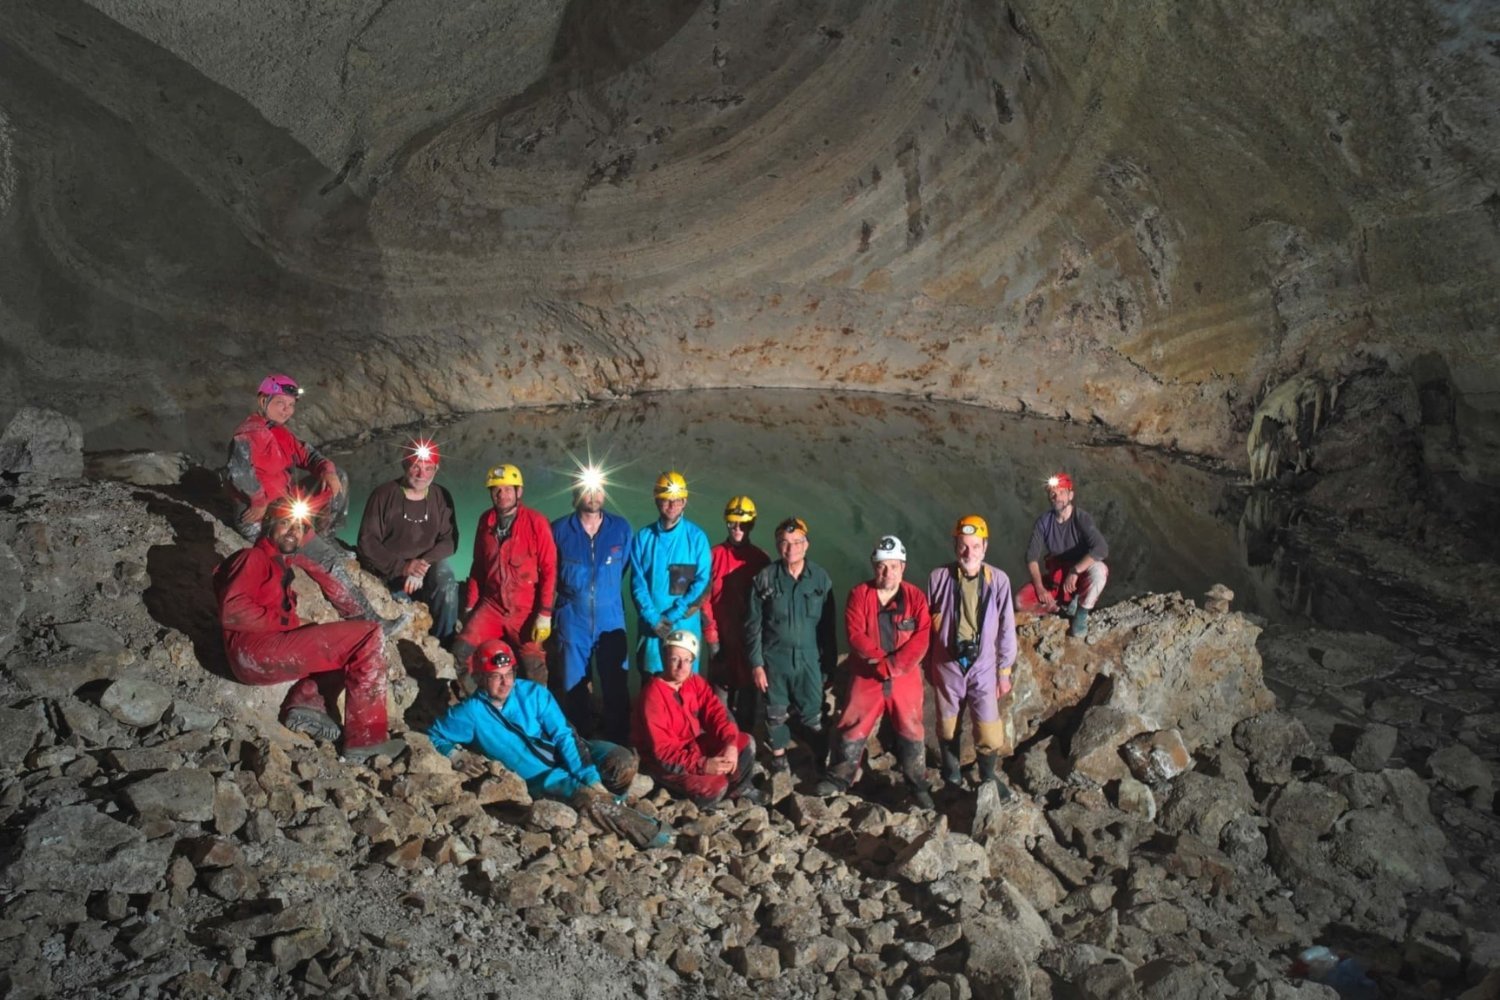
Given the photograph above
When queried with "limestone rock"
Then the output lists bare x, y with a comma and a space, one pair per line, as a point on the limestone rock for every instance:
1005, 943
77, 847
1094, 748
139, 468
1274, 742
939, 852
135, 701
12, 599
1306, 804
1461, 769
185, 794
1202, 804
19, 728
1373, 747
41, 445
1377, 844
1157, 757
758, 962
547, 814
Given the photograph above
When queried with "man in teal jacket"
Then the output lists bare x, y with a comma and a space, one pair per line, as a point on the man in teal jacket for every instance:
519, 724
669, 573
791, 639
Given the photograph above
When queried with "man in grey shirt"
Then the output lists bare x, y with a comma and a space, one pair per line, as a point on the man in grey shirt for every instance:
1066, 544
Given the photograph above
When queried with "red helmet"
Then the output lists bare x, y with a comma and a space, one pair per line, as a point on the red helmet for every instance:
279, 385
421, 449
491, 657
1060, 481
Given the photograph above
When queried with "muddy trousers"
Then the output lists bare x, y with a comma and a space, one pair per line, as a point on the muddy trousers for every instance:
488, 622
1090, 586
439, 591
799, 690
707, 789
323, 661
870, 700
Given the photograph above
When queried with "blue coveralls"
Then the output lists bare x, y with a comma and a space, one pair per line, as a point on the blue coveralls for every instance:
536, 744
669, 578
589, 621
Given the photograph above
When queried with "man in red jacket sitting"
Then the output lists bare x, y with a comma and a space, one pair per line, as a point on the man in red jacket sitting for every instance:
684, 735
888, 624
512, 580
268, 644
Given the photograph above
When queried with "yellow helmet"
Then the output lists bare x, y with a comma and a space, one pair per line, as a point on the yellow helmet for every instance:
739, 510
503, 475
671, 486
972, 525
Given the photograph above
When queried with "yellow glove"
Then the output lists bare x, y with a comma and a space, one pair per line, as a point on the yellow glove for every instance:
542, 628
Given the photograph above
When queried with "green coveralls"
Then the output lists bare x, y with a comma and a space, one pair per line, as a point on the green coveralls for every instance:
791, 629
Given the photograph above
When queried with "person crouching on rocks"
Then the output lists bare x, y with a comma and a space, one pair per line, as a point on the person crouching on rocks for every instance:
687, 740
518, 723
973, 651
889, 630
407, 535
1073, 550
268, 644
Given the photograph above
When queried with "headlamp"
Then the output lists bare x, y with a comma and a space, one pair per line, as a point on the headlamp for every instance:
590, 479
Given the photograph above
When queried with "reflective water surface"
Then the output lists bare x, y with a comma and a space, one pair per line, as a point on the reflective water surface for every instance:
855, 467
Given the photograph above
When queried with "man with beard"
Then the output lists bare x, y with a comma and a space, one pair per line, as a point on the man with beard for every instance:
267, 643
1070, 548
512, 578
408, 533
592, 547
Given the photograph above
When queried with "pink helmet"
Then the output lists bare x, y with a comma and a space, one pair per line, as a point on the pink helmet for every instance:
279, 385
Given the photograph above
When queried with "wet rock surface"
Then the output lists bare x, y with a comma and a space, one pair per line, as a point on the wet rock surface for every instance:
1175, 833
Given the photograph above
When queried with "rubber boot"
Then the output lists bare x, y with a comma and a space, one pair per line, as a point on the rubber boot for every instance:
989, 770
1080, 626
953, 775
912, 755
843, 769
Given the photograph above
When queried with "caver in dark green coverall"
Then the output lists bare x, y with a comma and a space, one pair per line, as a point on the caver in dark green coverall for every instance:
791, 629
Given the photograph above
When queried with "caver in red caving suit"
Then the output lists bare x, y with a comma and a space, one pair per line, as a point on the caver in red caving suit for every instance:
511, 581
887, 646
268, 644
733, 568
264, 458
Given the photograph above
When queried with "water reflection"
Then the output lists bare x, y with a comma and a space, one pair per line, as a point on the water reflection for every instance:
856, 467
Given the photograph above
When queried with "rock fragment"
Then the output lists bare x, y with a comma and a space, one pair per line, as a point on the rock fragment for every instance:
135, 701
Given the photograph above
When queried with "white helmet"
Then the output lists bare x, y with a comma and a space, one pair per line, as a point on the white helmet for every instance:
889, 547
682, 639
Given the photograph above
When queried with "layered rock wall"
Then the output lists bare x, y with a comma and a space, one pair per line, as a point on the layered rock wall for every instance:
1142, 215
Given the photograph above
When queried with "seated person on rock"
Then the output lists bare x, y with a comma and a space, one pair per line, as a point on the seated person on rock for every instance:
408, 533
972, 653
268, 644
889, 630
1066, 544
686, 738
519, 724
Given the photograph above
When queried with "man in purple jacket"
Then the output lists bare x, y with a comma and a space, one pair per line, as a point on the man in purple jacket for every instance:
973, 651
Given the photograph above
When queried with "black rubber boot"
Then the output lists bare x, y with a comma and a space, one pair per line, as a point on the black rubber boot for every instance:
989, 770
953, 774
912, 756
843, 768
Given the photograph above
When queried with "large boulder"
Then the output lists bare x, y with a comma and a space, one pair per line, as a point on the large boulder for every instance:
40, 445
77, 847
1169, 664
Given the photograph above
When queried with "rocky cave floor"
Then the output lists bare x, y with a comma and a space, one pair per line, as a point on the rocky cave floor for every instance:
1177, 834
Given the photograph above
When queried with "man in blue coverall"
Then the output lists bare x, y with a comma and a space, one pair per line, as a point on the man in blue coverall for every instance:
670, 568
592, 548
519, 724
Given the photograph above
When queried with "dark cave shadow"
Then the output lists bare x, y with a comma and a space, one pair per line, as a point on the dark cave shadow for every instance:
181, 594
433, 693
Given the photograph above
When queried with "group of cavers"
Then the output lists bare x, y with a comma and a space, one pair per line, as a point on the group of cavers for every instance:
730, 639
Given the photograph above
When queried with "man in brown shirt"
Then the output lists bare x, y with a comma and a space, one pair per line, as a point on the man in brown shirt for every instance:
408, 533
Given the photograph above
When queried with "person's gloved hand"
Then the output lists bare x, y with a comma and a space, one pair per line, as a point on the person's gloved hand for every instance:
883, 669
542, 628
714, 649
663, 629
468, 763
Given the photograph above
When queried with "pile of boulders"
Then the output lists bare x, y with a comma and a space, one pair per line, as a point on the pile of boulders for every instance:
1174, 835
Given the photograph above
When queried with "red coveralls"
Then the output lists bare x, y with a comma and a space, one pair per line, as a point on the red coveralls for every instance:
509, 583
268, 644
676, 731
262, 459
733, 568
881, 683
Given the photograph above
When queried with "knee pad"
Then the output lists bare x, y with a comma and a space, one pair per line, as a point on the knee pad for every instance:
777, 715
